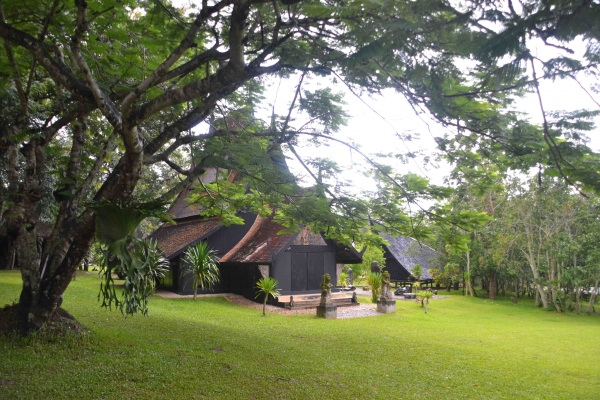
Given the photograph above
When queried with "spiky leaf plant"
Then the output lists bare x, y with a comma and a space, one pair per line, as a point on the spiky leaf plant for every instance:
202, 264
268, 287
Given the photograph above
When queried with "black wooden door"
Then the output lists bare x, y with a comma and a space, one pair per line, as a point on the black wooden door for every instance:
299, 271
307, 271
316, 270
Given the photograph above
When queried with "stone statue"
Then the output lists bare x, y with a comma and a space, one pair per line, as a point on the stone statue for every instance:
326, 290
375, 267
386, 292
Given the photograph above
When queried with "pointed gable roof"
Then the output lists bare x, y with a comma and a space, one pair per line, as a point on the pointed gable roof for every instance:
260, 244
181, 208
409, 252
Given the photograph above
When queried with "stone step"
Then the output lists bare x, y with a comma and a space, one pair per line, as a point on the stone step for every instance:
340, 302
310, 297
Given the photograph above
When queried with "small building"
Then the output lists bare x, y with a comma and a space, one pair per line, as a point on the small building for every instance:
248, 252
401, 256
191, 228
297, 261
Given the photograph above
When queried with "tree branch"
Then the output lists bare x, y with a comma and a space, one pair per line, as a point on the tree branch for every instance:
554, 151
104, 103
15, 69
41, 52
187, 42
100, 160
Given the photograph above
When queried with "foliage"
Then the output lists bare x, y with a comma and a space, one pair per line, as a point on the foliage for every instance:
267, 287
147, 267
201, 264
372, 253
417, 271
423, 296
343, 280
116, 224
374, 280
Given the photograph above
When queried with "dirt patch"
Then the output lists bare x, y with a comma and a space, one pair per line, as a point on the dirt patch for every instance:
61, 324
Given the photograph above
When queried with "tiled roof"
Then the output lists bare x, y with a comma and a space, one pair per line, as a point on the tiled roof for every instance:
260, 244
410, 252
173, 239
181, 208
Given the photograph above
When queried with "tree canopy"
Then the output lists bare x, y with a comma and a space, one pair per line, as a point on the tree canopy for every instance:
100, 99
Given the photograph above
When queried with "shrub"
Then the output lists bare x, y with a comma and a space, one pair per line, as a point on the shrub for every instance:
374, 281
201, 262
423, 296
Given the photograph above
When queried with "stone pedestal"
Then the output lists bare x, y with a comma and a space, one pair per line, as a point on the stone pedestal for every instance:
386, 306
327, 312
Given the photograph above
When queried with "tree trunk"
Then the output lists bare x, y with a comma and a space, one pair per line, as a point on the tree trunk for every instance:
45, 281
265, 305
590, 308
467, 283
492, 286
578, 300
540, 294
553, 281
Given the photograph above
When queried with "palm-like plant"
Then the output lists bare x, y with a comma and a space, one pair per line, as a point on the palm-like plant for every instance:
423, 296
374, 281
202, 263
417, 271
267, 286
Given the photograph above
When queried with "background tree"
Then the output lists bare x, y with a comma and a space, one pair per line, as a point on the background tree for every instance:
371, 254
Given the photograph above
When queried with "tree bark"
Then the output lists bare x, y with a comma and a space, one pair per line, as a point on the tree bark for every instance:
492, 285
468, 284
553, 281
590, 308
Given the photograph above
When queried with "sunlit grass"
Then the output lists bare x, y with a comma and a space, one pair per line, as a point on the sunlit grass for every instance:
463, 348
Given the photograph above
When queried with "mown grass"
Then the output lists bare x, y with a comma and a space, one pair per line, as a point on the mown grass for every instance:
463, 348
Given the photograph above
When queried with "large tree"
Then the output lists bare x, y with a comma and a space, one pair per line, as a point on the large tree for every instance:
99, 95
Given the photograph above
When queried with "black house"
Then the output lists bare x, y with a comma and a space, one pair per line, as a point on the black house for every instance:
191, 228
401, 256
297, 261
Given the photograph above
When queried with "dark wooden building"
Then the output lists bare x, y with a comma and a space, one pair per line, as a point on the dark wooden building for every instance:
248, 252
401, 256
191, 228
297, 261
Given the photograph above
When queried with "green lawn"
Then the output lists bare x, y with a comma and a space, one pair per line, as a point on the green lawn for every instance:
464, 348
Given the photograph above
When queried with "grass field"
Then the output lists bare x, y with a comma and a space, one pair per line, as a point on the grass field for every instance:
463, 348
